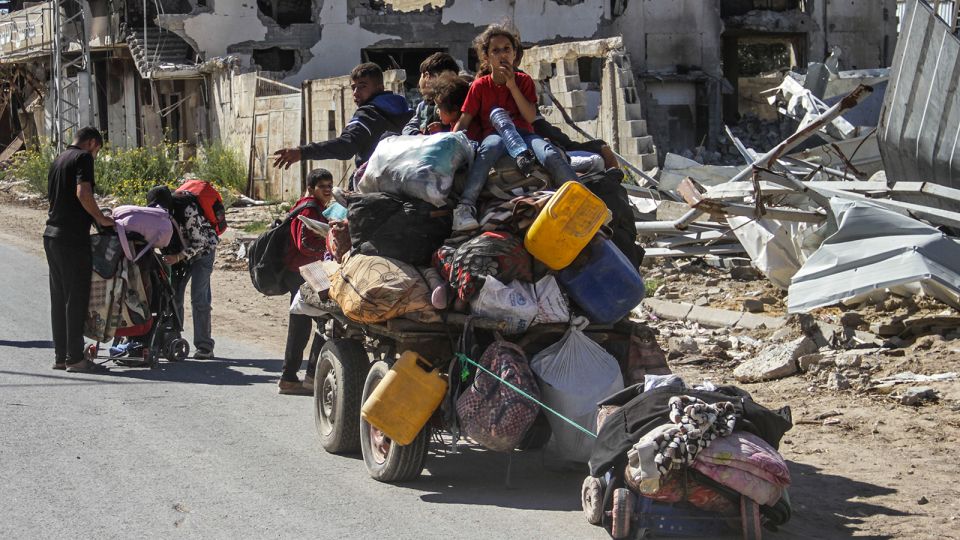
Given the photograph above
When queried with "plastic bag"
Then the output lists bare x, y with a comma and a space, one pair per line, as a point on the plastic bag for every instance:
515, 304
575, 373
552, 307
335, 211
299, 306
417, 166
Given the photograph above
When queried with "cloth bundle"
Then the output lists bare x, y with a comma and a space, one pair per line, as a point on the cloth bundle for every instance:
694, 425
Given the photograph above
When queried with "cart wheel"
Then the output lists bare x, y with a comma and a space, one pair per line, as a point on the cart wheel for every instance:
338, 383
622, 518
591, 499
178, 350
387, 461
750, 519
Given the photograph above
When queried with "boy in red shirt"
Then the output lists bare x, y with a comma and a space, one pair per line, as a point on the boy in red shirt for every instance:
501, 86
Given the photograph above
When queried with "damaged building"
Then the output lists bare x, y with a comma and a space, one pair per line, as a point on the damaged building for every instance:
191, 70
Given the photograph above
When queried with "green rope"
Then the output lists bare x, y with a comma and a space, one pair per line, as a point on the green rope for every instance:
463, 358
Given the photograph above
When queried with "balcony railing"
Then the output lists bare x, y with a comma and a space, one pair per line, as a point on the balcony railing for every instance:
26, 33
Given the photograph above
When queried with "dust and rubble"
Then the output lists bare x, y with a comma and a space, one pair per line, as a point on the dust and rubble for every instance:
813, 261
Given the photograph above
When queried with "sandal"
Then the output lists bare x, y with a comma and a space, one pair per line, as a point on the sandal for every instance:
86, 366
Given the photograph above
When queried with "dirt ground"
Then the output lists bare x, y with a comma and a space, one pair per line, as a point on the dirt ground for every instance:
863, 465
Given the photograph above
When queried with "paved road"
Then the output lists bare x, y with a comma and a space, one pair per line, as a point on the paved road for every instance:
208, 449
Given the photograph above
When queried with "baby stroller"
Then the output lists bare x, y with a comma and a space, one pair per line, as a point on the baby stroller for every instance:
132, 301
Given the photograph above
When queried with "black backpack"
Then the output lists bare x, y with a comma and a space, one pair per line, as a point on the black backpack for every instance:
407, 230
265, 255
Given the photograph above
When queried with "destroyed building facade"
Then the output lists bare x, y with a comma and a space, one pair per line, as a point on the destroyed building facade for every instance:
143, 70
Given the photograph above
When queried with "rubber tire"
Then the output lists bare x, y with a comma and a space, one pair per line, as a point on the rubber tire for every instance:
403, 463
178, 350
591, 500
622, 517
348, 362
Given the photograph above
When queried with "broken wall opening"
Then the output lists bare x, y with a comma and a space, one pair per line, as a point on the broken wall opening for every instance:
287, 12
275, 59
756, 62
730, 8
407, 59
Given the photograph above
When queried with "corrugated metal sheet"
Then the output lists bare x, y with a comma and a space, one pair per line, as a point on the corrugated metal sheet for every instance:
947, 9
919, 128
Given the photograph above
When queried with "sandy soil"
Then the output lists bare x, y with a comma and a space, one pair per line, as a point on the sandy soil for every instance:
862, 464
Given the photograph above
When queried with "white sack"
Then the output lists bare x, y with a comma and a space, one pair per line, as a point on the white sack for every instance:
515, 304
574, 374
552, 307
300, 307
417, 166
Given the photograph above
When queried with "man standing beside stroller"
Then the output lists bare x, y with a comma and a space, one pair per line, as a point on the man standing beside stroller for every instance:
66, 241
193, 264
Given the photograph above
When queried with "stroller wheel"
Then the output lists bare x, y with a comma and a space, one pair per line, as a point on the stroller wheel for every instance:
178, 350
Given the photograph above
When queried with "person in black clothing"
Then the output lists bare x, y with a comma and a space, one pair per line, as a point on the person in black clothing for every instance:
379, 112
66, 241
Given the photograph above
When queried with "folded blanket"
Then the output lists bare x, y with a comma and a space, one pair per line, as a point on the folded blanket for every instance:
746, 463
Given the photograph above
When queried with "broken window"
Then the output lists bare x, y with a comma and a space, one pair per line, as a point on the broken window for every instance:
275, 59
757, 58
287, 12
753, 63
590, 69
397, 58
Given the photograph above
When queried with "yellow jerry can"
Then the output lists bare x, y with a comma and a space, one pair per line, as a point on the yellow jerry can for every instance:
404, 400
565, 226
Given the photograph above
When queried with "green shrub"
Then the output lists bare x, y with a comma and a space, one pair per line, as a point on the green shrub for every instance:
128, 174
223, 166
651, 285
32, 165
256, 227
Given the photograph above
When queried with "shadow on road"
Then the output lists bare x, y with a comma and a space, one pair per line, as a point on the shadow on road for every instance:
831, 506
479, 476
218, 372
29, 344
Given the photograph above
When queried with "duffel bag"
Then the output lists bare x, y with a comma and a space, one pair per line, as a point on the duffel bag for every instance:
371, 289
407, 230
492, 413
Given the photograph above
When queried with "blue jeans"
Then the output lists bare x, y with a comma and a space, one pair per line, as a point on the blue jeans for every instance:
492, 149
198, 271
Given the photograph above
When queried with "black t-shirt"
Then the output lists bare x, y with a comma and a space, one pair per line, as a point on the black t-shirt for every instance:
67, 218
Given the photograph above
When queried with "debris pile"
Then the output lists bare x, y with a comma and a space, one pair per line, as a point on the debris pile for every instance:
861, 267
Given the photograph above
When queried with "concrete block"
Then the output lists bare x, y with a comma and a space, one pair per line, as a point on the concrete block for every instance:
578, 113
753, 321
649, 161
565, 84
713, 317
539, 70
672, 311
775, 362
634, 128
571, 100
630, 111
567, 67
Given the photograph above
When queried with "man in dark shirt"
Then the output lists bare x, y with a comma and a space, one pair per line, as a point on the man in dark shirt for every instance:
66, 241
378, 112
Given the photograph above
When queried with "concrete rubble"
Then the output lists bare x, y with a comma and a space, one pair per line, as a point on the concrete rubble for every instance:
840, 274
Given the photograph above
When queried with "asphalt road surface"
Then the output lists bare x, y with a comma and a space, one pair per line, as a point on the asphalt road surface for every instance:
208, 449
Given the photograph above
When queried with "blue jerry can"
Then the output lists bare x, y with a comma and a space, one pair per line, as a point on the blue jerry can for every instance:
603, 282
